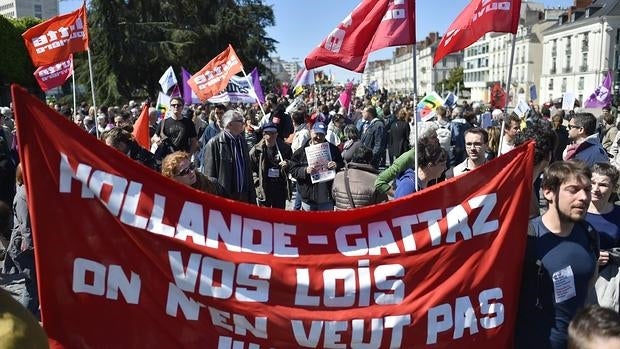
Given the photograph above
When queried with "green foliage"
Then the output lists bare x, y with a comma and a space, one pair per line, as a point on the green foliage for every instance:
15, 64
134, 41
450, 84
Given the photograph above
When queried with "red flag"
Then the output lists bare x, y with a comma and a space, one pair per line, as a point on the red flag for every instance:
141, 128
54, 75
498, 96
55, 39
373, 24
440, 268
477, 19
214, 77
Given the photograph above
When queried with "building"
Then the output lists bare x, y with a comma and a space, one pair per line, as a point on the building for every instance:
429, 76
581, 47
476, 69
42, 9
277, 67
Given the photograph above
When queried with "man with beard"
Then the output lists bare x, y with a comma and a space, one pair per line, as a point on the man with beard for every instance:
476, 144
560, 259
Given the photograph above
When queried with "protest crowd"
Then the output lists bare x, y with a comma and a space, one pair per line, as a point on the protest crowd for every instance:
334, 148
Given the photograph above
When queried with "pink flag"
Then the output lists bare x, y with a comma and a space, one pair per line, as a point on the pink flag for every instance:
345, 96
54, 75
373, 24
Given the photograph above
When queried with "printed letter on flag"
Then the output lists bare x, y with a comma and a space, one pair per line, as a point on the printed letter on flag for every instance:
54, 75
214, 77
127, 258
373, 24
478, 18
55, 39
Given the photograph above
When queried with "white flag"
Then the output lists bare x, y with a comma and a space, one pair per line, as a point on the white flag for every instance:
360, 91
168, 80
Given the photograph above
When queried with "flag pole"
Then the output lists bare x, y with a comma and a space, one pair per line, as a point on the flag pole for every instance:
73, 81
92, 86
415, 115
512, 57
252, 88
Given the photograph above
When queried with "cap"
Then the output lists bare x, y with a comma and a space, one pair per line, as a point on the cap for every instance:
319, 127
270, 127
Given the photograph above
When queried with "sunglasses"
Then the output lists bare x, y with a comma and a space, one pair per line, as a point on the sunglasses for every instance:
186, 171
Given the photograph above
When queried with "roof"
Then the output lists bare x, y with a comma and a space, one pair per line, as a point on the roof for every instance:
598, 9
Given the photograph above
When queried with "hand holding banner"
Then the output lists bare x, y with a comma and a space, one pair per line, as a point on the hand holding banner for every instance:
214, 77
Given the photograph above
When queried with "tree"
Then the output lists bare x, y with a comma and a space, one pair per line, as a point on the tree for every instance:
134, 41
454, 79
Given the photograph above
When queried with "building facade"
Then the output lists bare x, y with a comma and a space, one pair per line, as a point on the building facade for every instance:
580, 48
42, 9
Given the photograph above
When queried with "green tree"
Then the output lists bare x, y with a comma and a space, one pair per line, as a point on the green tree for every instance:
134, 41
450, 84
15, 64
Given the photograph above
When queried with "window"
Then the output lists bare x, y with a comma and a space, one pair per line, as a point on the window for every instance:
550, 87
581, 83
563, 85
38, 11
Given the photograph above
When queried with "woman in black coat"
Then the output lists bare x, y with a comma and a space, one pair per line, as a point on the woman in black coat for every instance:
399, 134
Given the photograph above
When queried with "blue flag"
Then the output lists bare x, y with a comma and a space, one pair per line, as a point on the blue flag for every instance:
533, 94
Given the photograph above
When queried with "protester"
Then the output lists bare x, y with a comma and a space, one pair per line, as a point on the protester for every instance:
270, 164
227, 158
609, 131
476, 144
460, 123
432, 159
586, 145
352, 142
355, 186
335, 131
560, 259
124, 142
594, 327
511, 130
399, 135
561, 134
315, 196
18, 327
276, 114
179, 168
372, 135
493, 148
604, 216
175, 133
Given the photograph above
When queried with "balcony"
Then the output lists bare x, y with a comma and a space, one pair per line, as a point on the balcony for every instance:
552, 71
550, 87
567, 70
554, 51
583, 68
568, 50
584, 46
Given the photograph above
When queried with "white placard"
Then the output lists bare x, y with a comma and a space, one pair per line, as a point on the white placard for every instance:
568, 101
318, 156
521, 109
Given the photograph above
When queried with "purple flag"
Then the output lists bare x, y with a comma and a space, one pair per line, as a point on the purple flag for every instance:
256, 85
189, 97
601, 97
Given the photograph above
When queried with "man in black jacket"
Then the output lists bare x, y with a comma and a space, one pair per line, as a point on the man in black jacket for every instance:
316, 191
372, 135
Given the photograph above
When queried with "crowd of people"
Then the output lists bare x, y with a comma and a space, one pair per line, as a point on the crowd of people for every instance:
269, 159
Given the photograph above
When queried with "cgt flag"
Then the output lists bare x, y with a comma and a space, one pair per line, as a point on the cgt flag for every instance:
477, 19
214, 77
440, 268
55, 39
373, 24
54, 75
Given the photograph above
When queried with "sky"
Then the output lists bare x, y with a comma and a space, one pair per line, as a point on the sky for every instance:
301, 25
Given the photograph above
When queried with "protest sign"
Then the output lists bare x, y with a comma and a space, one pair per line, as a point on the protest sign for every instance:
568, 101
521, 109
318, 156
238, 90
129, 259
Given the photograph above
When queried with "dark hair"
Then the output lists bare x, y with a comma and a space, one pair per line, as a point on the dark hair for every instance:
587, 121
298, 117
561, 171
478, 131
117, 135
5, 220
430, 152
351, 132
592, 322
606, 169
178, 99
372, 111
508, 119
362, 155
609, 118
546, 141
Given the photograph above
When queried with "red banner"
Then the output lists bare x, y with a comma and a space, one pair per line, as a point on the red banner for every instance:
129, 259
373, 24
214, 77
478, 18
55, 39
54, 75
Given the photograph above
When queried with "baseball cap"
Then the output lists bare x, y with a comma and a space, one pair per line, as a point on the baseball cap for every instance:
270, 127
319, 127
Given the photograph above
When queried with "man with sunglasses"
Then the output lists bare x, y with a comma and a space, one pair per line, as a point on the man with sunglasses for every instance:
179, 131
586, 144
